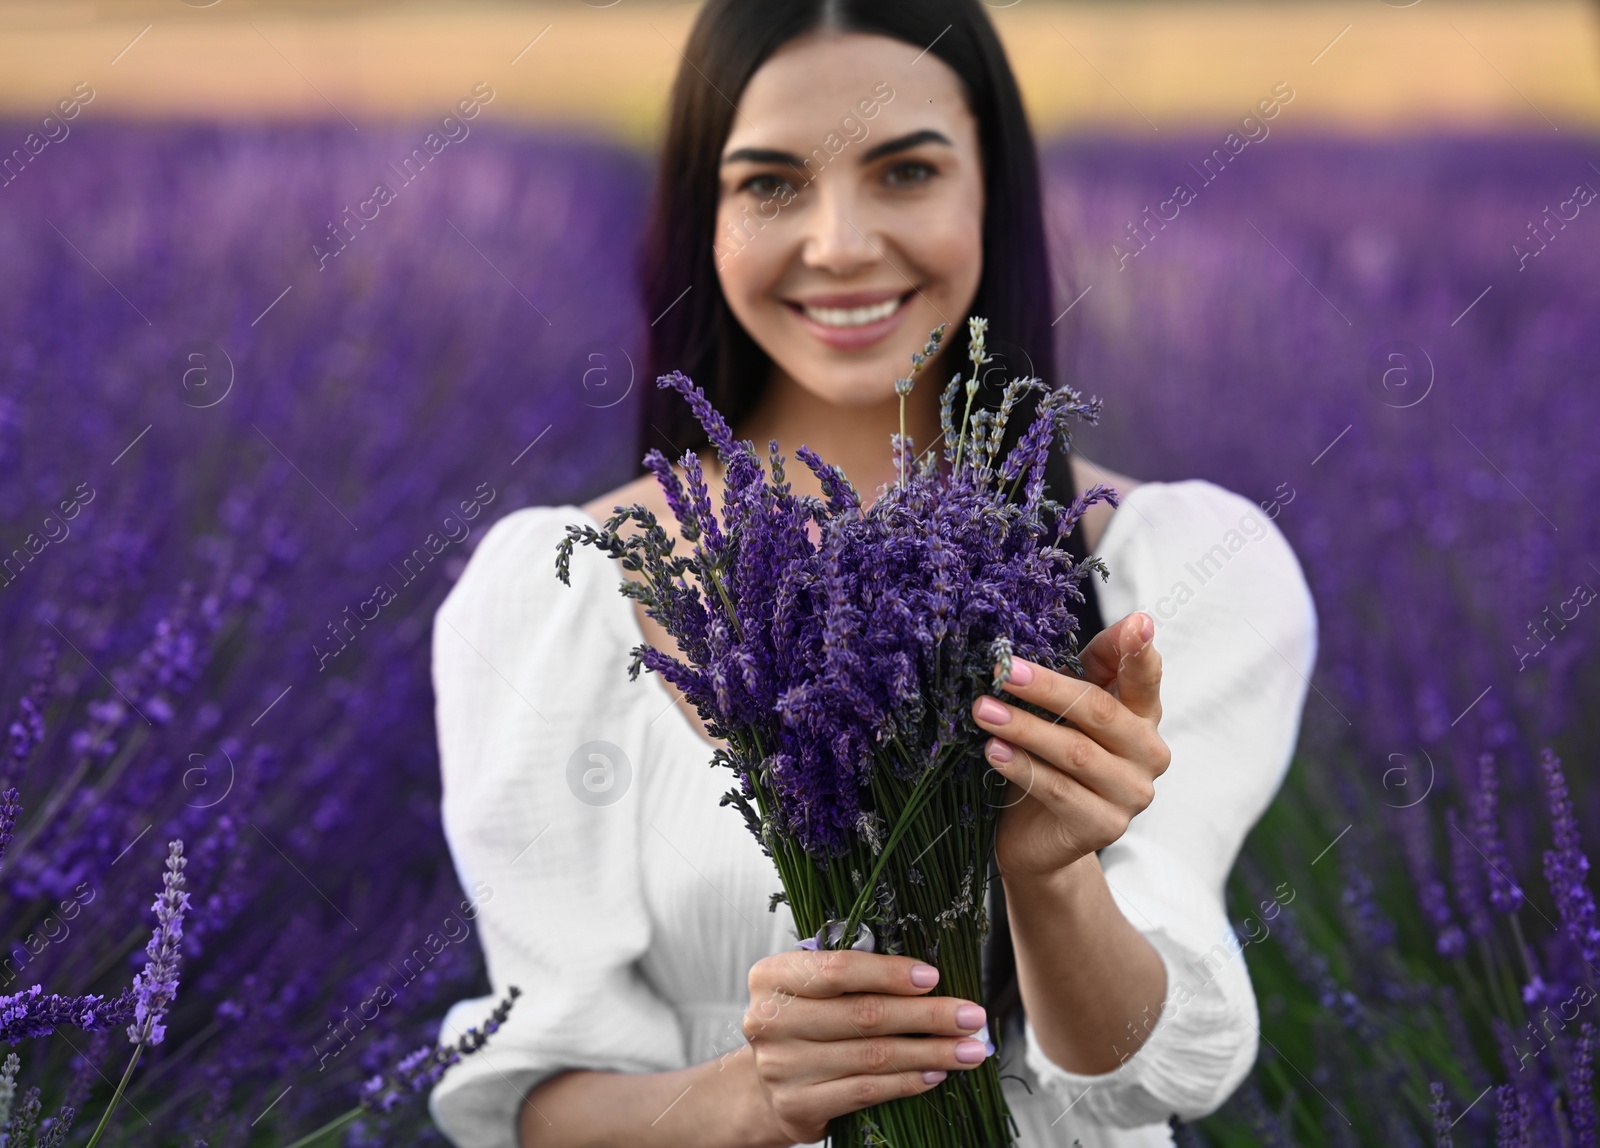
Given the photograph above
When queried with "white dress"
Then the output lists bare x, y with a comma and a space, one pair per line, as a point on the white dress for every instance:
628, 905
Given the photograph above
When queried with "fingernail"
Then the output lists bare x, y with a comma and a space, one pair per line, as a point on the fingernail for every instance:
1147, 628
970, 1016
992, 711
1021, 672
999, 750
971, 1052
924, 975
933, 1076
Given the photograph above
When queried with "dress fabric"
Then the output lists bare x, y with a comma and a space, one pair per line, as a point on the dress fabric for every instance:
582, 813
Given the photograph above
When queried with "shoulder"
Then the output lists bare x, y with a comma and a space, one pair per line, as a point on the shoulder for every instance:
513, 542
510, 586
1192, 541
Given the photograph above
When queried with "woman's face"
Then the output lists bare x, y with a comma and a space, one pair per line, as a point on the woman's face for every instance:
850, 214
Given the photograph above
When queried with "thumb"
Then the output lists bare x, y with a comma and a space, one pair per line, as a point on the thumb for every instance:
1122, 659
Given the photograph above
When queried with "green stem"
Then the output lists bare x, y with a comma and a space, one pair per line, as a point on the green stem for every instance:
115, 1096
919, 795
966, 414
902, 441
330, 1127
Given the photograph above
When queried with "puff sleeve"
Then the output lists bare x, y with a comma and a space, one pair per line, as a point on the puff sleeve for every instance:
1237, 631
530, 682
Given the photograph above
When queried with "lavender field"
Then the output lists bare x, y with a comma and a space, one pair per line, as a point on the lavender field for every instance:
239, 472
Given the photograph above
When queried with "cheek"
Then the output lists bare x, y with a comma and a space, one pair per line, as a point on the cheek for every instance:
750, 260
945, 236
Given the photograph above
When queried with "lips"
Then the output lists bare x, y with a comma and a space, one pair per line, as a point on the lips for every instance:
851, 320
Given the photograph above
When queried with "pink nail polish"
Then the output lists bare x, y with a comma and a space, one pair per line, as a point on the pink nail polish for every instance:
971, 1052
970, 1016
992, 711
1021, 672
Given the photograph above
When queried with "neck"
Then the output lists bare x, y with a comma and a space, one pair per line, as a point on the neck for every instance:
854, 438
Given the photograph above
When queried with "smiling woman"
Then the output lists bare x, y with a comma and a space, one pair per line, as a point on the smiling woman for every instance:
794, 259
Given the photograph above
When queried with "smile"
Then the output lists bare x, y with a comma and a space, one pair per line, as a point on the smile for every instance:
855, 326
855, 316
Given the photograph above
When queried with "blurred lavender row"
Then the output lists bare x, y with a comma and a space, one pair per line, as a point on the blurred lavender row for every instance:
237, 477
1393, 348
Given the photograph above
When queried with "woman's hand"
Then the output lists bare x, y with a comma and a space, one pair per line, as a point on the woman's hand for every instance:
826, 1026
1073, 784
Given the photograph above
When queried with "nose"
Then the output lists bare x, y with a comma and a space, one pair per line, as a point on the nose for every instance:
838, 236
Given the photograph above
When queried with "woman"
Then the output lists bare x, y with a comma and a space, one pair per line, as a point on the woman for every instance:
839, 177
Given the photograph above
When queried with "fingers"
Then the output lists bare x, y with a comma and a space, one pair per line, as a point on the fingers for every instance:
1099, 755
876, 1056
1098, 817
859, 1015
809, 1108
1088, 707
1123, 657
1071, 774
820, 973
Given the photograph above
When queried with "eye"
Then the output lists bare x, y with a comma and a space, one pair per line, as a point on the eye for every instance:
909, 173
765, 185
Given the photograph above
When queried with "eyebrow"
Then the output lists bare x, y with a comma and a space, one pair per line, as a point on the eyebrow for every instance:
887, 147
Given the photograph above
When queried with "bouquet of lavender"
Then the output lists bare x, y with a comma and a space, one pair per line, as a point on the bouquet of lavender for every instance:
841, 673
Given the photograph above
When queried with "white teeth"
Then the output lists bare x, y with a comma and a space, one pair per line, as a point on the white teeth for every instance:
853, 316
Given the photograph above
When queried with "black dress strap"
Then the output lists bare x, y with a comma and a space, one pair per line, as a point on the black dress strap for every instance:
1003, 997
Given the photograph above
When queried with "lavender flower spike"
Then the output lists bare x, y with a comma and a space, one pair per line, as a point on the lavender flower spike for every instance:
10, 806
157, 982
8, 1085
34, 1013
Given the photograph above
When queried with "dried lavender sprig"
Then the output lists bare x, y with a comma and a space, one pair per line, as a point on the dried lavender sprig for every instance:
976, 327
902, 387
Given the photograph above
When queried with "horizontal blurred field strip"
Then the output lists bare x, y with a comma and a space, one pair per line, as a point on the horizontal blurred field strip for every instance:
1143, 68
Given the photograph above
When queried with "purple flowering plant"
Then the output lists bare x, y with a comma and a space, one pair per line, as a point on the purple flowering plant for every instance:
840, 671
416, 1073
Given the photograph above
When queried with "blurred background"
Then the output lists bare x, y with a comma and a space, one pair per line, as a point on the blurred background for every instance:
238, 427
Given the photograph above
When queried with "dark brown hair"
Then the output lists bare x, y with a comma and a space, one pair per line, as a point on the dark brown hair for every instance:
693, 329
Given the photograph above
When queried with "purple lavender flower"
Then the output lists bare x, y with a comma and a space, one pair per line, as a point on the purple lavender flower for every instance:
1467, 879
8, 1086
1511, 1106
157, 983
1439, 1108
419, 1070
10, 806
1504, 892
1580, 1082
24, 1119
33, 1012
1566, 866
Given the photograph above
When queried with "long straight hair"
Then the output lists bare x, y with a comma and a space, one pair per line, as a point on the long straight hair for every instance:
694, 330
